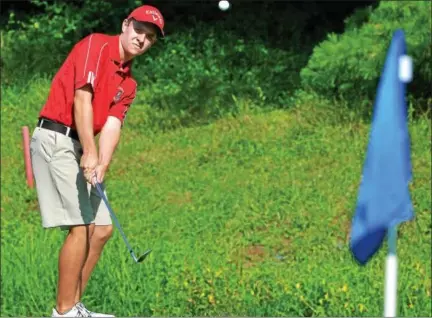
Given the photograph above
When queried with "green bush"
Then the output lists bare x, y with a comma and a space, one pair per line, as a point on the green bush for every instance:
350, 64
201, 73
39, 43
195, 76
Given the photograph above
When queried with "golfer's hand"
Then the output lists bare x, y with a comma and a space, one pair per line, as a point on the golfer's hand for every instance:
88, 163
100, 173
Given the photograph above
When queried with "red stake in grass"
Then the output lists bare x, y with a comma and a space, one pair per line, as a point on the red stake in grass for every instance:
26, 148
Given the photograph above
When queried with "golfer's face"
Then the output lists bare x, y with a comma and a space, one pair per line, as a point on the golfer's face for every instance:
139, 37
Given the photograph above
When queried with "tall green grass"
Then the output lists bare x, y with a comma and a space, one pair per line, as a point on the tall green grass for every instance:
247, 216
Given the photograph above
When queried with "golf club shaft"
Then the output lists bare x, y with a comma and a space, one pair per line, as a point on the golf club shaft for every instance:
104, 198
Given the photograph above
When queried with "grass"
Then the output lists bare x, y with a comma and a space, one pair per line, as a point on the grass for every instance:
247, 216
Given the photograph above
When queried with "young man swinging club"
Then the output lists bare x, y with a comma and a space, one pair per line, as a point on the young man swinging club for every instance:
90, 95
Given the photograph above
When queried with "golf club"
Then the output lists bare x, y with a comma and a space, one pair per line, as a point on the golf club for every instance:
104, 198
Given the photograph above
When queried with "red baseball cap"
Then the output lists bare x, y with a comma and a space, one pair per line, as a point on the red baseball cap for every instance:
149, 14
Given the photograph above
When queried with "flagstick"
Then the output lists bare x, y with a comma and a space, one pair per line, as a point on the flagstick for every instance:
405, 74
390, 293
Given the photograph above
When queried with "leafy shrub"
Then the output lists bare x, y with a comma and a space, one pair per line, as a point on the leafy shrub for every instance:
350, 64
202, 72
40, 43
198, 72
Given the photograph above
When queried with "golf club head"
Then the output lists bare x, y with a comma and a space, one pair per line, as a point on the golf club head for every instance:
143, 257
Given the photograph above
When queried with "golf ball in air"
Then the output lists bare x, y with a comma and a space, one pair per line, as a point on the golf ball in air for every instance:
224, 5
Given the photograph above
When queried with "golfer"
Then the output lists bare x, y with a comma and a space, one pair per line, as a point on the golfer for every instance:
90, 95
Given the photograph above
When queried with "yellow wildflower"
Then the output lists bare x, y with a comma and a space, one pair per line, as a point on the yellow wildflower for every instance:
211, 299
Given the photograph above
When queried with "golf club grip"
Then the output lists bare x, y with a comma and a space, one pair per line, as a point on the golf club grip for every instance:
104, 198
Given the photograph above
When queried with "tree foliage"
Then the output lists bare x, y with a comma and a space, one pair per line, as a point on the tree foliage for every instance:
211, 62
349, 65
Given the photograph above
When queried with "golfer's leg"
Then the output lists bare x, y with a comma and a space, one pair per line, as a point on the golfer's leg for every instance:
75, 198
71, 261
102, 233
64, 201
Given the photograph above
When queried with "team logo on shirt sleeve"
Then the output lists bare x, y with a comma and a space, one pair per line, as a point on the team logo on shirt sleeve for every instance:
118, 95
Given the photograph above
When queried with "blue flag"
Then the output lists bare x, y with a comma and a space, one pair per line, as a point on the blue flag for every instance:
384, 199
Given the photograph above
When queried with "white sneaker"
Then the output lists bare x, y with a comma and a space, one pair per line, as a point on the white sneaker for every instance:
81, 307
74, 312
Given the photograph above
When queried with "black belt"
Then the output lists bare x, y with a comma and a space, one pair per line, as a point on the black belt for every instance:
65, 130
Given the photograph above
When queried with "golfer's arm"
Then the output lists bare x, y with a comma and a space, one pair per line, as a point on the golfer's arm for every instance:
109, 139
83, 115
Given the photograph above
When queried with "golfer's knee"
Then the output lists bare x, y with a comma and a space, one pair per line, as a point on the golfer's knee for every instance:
84, 231
103, 233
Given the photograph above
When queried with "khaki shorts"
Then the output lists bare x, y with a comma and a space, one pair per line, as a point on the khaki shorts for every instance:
65, 197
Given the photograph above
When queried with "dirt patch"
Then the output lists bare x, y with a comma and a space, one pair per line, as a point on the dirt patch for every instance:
33, 205
180, 198
343, 225
286, 242
253, 254
255, 251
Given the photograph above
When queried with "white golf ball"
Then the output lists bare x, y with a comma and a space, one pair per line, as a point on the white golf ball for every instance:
224, 5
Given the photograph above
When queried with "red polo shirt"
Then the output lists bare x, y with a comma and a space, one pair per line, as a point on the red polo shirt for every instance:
94, 60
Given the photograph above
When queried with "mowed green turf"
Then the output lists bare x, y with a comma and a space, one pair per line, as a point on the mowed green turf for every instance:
249, 216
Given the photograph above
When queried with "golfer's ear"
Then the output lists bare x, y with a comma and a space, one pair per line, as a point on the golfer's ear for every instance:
125, 24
